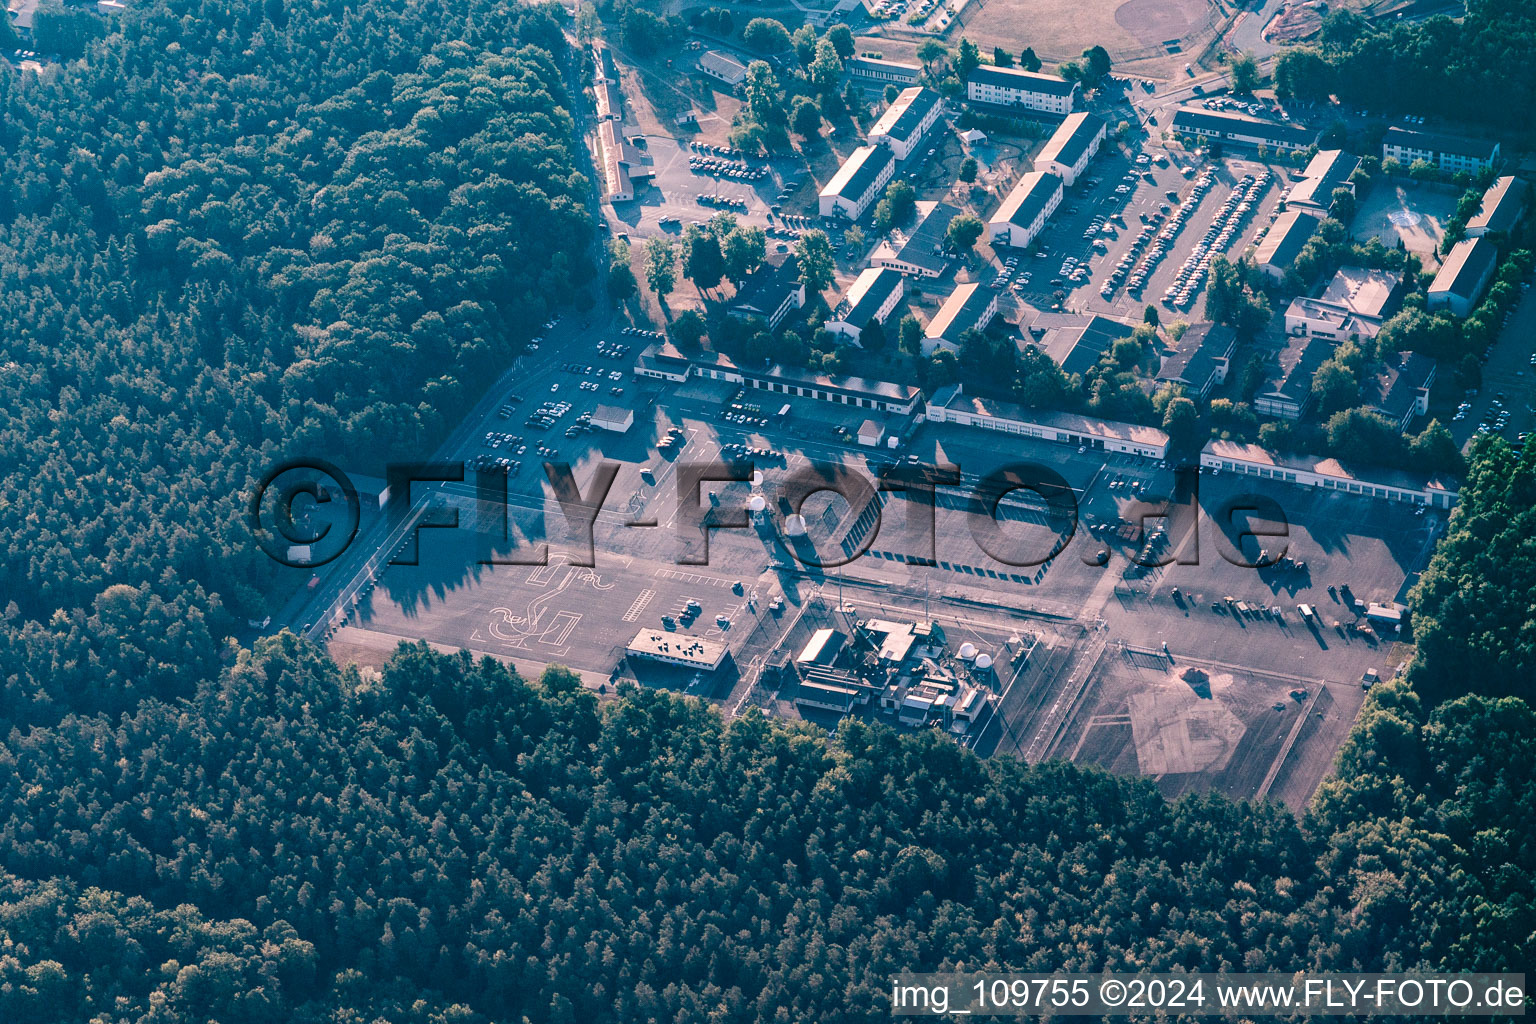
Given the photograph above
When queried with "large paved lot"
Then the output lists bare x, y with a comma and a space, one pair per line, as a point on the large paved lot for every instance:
1150, 187
1068, 699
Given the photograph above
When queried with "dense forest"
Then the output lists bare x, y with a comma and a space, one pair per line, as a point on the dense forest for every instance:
239, 231
1475, 69
450, 842
235, 232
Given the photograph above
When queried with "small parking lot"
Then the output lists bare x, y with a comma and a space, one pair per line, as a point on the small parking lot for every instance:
1509, 382
674, 197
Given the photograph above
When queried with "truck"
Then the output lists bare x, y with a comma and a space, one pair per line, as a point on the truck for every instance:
1307, 613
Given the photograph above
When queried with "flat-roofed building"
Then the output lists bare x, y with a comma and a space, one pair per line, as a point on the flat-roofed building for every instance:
1200, 359
877, 70
1450, 153
677, 649
1276, 254
907, 121
1328, 170
1015, 87
614, 418
1464, 276
858, 183
1242, 131
923, 251
1351, 308
1330, 474
859, 392
1068, 151
1025, 210
1503, 206
723, 68
873, 296
952, 405
970, 307
770, 291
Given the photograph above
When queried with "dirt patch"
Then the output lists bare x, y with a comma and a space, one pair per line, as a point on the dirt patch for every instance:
1156, 21
1296, 22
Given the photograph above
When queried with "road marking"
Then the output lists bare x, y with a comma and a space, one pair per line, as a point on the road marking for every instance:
639, 605
693, 577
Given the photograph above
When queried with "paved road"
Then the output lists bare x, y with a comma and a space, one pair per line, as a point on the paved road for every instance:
343, 582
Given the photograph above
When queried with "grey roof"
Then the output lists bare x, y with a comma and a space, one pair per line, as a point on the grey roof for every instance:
924, 246
765, 288
1285, 239
1328, 170
1502, 205
1193, 358
1394, 387
873, 66
1017, 78
1079, 347
1206, 121
1480, 149
1069, 142
878, 284
1299, 360
723, 65
862, 387
1464, 267
859, 172
902, 118
1029, 196
961, 312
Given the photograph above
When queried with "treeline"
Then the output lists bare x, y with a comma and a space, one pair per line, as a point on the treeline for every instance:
450, 842
238, 232
1481, 68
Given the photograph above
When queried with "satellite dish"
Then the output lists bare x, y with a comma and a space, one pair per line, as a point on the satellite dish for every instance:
794, 525
757, 503
983, 661
967, 651
757, 478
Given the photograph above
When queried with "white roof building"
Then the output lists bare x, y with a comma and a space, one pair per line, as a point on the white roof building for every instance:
723, 67
613, 417
1069, 149
952, 405
677, 649
1025, 210
907, 121
1330, 474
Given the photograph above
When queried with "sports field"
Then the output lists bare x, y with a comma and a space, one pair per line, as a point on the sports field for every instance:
1060, 29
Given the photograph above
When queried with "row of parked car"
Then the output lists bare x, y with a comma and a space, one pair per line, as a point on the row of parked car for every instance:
1160, 241
725, 169
1217, 237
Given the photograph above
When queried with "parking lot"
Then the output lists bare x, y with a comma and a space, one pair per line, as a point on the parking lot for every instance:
1509, 382
690, 184
1100, 235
